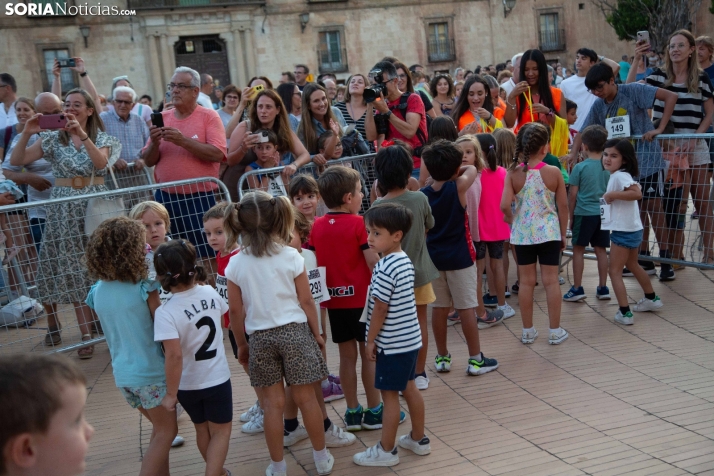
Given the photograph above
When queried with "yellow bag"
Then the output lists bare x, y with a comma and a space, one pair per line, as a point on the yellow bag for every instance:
559, 135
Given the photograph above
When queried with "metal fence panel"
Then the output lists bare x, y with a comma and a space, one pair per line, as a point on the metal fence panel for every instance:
46, 279
364, 164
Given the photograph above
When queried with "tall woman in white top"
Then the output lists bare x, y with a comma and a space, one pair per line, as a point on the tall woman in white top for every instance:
270, 302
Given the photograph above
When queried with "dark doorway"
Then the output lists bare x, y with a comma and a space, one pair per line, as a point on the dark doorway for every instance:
205, 54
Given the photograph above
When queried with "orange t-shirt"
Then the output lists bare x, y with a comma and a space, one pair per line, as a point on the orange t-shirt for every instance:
176, 163
468, 117
525, 118
499, 110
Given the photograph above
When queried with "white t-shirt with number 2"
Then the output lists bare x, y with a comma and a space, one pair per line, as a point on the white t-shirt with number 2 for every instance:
194, 317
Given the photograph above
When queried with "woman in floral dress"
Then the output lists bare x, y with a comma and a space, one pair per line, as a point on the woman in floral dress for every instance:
76, 152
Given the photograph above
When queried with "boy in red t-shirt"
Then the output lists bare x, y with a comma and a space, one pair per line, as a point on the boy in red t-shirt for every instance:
339, 240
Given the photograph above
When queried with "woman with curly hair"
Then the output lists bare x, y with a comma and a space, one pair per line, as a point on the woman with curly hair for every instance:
125, 300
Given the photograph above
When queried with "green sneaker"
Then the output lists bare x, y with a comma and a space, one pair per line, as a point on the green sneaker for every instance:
353, 419
373, 419
443, 363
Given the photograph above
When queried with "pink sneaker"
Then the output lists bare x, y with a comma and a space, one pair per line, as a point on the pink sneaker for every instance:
332, 392
334, 378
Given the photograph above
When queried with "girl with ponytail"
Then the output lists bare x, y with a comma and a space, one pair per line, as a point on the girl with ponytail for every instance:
197, 374
274, 320
538, 226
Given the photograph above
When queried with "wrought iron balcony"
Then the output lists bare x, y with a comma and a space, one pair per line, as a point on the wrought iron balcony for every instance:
331, 61
441, 50
552, 40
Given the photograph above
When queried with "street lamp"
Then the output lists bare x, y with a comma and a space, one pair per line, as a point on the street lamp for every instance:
84, 30
508, 6
304, 18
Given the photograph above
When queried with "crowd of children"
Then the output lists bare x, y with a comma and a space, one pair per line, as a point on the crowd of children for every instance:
413, 248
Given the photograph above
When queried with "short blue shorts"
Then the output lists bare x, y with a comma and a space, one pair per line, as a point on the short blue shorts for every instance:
186, 212
394, 371
626, 239
147, 397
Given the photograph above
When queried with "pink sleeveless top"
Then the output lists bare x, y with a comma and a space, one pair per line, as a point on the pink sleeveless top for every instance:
491, 226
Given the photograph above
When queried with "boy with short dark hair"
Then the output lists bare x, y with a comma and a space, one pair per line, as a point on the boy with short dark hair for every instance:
393, 166
43, 430
267, 156
339, 240
588, 183
571, 115
393, 335
451, 250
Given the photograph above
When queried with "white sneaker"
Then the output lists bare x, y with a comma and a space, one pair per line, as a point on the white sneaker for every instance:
644, 304
561, 280
255, 425
508, 311
248, 416
527, 337
270, 472
421, 447
557, 337
293, 437
376, 456
325, 467
336, 437
178, 441
421, 382
442, 363
626, 320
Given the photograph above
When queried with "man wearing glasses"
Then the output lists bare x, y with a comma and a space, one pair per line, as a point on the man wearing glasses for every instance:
8, 94
301, 72
126, 126
191, 144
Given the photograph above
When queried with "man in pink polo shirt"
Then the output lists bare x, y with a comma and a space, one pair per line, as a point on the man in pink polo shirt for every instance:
191, 144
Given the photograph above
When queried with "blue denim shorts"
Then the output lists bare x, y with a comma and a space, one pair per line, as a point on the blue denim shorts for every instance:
626, 239
394, 371
147, 397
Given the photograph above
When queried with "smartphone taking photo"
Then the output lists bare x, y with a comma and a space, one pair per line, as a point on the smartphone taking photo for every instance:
157, 119
53, 121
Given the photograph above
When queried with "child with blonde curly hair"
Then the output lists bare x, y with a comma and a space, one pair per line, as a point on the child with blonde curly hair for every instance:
125, 301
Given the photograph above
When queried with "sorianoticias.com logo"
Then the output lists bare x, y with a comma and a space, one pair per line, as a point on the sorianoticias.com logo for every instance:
62, 9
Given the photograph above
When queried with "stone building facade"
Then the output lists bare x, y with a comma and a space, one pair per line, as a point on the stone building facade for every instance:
235, 40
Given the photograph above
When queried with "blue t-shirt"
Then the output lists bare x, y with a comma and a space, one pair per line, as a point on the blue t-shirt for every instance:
449, 243
632, 100
591, 180
125, 317
624, 70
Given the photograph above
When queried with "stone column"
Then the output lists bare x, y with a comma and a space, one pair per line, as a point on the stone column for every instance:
250, 52
157, 80
166, 58
233, 68
242, 76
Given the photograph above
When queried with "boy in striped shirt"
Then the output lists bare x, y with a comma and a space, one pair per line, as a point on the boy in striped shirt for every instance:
393, 334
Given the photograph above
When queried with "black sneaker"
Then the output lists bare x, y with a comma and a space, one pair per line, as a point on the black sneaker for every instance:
666, 273
648, 266
626, 273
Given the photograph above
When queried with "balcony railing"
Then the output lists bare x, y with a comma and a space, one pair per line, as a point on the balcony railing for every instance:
328, 63
150, 4
441, 50
552, 40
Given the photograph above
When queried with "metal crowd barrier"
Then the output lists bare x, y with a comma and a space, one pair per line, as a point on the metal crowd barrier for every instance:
131, 177
688, 239
278, 184
23, 320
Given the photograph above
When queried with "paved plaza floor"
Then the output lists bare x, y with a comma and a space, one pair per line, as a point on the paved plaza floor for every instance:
610, 400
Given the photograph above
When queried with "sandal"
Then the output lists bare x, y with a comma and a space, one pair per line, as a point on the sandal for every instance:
10, 253
53, 336
86, 352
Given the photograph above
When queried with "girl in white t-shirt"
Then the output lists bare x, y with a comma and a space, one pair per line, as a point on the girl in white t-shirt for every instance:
269, 296
197, 373
621, 215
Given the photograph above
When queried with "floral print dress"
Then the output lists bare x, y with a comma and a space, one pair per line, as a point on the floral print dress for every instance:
536, 217
62, 276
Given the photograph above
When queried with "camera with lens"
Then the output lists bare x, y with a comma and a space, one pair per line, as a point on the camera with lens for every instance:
372, 92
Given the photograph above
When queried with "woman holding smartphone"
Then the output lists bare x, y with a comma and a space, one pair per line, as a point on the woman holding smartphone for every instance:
78, 153
266, 112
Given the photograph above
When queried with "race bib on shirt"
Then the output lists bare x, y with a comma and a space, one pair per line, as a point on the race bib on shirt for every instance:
276, 187
222, 287
604, 211
617, 127
318, 284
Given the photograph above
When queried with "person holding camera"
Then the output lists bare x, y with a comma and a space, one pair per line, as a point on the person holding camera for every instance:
399, 115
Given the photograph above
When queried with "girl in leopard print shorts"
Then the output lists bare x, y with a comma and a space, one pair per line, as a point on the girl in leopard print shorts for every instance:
269, 296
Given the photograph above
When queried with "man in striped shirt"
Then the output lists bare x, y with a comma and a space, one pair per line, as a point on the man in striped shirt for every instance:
393, 335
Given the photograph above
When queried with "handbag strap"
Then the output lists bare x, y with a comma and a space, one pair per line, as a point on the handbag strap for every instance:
114, 179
